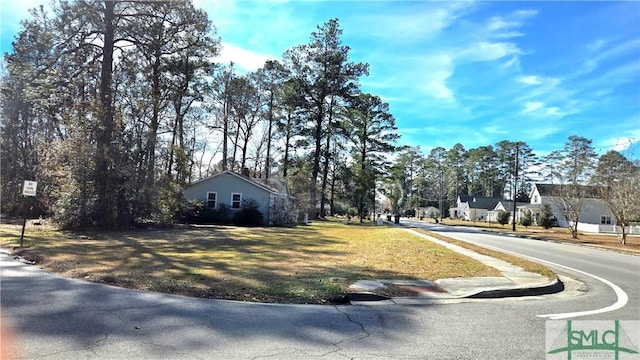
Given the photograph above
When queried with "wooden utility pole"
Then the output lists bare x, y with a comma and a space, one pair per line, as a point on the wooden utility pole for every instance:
515, 188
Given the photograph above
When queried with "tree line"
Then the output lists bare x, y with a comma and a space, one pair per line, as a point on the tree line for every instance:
508, 170
115, 106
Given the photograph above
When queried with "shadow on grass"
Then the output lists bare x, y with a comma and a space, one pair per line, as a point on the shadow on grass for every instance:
284, 265
71, 318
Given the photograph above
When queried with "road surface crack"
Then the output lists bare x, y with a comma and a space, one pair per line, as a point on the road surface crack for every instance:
361, 325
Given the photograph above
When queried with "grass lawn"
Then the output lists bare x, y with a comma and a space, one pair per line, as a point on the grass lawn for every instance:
523, 263
305, 264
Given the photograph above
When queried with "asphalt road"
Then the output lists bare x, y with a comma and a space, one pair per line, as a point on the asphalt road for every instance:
619, 272
58, 318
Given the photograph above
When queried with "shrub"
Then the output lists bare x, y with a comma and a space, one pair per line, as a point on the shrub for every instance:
281, 215
222, 214
191, 211
526, 219
195, 212
410, 213
169, 202
249, 214
546, 218
503, 217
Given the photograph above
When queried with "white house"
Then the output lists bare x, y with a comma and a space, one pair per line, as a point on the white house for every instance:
504, 205
595, 215
427, 212
473, 208
230, 188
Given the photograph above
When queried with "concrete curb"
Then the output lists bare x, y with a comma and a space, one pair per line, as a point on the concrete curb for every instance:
366, 296
553, 287
515, 282
370, 298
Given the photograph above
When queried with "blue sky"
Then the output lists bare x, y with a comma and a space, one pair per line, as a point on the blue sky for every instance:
468, 72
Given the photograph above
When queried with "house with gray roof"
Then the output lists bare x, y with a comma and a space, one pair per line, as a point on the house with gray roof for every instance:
232, 189
473, 208
504, 205
595, 215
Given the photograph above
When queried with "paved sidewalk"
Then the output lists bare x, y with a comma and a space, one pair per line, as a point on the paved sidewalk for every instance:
514, 282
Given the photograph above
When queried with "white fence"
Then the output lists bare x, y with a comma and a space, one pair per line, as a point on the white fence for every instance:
607, 229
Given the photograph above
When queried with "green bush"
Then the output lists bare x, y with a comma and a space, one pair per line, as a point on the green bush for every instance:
195, 212
280, 213
503, 217
222, 215
249, 214
526, 219
546, 218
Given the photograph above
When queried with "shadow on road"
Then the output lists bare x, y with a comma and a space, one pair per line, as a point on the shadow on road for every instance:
72, 318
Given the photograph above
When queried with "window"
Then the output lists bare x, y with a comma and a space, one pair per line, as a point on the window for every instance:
211, 199
535, 199
605, 220
236, 200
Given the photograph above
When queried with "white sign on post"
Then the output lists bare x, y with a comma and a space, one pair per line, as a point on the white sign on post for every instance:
29, 188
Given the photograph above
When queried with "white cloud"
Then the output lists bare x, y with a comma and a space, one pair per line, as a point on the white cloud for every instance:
530, 80
438, 69
245, 59
553, 111
539, 109
426, 21
531, 106
487, 51
544, 130
627, 145
514, 61
438, 87
495, 129
502, 27
622, 144
499, 23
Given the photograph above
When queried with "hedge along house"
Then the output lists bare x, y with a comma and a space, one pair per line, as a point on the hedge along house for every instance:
232, 189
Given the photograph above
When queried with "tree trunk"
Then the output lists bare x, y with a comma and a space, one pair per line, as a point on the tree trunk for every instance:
325, 170
152, 133
105, 209
623, 232
316, 161
287, 146
225, 125
270, 116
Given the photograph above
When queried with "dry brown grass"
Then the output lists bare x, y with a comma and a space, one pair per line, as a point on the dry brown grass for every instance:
305, 264
521, 262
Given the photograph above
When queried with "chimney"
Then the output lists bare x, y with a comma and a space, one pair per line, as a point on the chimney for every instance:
245, 171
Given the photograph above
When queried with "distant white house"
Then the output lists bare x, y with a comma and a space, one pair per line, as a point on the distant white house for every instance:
473, 208
230, 188
427, 212
504, 205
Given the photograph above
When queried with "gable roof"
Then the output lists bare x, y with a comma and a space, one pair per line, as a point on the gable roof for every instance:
591, 192
480, 202
508, 204
273, 186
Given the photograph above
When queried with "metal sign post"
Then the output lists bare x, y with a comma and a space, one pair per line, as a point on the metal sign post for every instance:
28, 189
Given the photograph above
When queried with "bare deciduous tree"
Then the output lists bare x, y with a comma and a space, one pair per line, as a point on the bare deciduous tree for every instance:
620, 188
